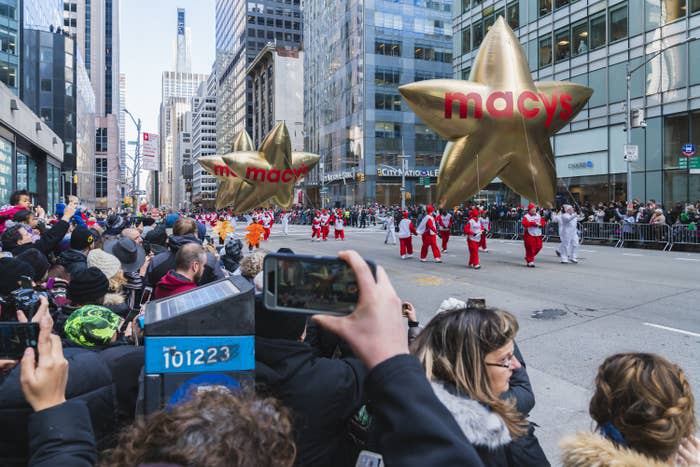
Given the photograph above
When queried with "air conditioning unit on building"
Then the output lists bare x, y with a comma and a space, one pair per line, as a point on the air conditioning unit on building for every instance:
637, 119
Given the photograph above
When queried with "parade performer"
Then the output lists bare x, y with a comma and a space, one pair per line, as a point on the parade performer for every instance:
390, 233
485, 228
267, 219
406, 230
568, 233
444, 224
428, 233
316, 228
325, 224
255, 232
223, 228
284, 217
474, 233
533, 223
338, 225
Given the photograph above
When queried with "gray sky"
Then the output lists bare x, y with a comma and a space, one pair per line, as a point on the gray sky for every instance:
147, 31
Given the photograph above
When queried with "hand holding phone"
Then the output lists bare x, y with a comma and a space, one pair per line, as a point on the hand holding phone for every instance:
44, 381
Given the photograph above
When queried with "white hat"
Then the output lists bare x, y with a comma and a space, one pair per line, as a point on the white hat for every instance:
105, 262
451, 304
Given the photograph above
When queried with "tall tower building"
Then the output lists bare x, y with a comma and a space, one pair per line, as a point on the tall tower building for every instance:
204, 141
122, 131
177, 89
183, 44
243, 29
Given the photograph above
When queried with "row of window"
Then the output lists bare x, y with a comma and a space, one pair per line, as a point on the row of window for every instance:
582, 36
101, 177
420, 52
474, 35
391, 77
296, 25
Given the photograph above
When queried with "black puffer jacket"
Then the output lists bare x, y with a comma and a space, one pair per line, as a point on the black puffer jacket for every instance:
73, 260
89, 380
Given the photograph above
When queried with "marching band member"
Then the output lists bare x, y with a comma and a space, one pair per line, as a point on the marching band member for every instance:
316, 228
428, 233
474, 233
325, 224
339, 225
406, 230
485, 228
533, 223
444, 224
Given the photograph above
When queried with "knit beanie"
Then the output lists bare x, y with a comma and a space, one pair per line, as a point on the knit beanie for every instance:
37, 260
105, 262
91, 325
87, 286
13, 270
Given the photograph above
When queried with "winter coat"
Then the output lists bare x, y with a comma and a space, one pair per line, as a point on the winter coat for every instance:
172, 284
62, 435
89, 380
322, 393
164, 262
48, 242
73, 260
7, 214
485, 429
587, 449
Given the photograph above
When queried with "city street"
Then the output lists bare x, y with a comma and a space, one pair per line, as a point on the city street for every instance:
571, 315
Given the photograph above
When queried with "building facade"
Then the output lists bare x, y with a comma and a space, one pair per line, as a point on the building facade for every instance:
243, 29
204, 142
592, 43
356, 54
183, 163
277, 76
30, 153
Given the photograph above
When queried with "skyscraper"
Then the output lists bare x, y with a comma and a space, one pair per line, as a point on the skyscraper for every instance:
356, 54
177, 89
122, 131
204, 141
243, 28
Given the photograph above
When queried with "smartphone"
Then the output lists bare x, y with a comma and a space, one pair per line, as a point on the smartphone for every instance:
146, 295
310, 284
476, 303
404, 309
16, 337
369, 459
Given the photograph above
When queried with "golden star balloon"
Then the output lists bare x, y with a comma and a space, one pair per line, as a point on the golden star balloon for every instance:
271, 171
229, 183
498, 123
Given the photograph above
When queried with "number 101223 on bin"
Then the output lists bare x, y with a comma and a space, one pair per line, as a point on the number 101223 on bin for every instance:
199, 354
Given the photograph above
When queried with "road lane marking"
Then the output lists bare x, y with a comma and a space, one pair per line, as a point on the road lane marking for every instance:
631, 254
681, 331
686, 259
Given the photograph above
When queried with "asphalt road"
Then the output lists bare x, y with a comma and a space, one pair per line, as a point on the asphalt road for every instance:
614, 300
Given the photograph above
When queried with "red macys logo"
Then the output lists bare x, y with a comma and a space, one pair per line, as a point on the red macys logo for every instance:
223, 171
528, 105
262, 175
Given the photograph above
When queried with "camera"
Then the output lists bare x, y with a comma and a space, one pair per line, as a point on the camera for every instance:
24, 298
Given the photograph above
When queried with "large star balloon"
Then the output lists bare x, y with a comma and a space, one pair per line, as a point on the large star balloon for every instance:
498, 123
229, 184
271, 172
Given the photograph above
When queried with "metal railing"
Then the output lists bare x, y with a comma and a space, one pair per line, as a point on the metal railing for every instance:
682, 234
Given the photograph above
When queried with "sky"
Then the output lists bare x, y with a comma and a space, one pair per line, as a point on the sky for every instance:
147, 31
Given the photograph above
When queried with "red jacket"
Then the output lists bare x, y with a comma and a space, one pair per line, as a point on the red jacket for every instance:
172, 284
7, 215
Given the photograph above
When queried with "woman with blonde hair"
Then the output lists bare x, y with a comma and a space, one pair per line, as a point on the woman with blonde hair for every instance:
468, 355
644, 412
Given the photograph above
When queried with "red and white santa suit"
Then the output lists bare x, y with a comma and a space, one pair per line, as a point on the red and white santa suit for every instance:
444, 224
338, 225
532, 238
406, 230
325, 224
266, 220
316, 227
474, 233
429, 233
485, 228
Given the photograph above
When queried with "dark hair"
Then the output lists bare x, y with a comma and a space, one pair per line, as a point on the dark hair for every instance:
214, 428
11, 237
146, 221
15, 196
648, 399
59, 272
22, 216
188, 254
184, 226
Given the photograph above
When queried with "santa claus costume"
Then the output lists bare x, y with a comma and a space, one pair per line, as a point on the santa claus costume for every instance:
444, 224
533, 223
316, 228
485, 228
474, 233
406, 230
267, 219
325, 224
429, 233
338, 225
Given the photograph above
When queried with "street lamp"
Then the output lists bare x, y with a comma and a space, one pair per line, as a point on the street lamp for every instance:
137, 158
404, 167
628, 109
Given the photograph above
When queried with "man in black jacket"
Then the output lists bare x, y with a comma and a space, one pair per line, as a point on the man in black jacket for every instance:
322, 393
75, 259
16, 239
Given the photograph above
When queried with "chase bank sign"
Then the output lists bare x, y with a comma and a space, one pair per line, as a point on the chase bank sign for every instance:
580, 165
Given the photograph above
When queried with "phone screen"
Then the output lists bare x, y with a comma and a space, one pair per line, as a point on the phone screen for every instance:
16, 337
310, 284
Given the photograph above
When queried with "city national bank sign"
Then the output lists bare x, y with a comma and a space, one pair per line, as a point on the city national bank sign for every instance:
384, 172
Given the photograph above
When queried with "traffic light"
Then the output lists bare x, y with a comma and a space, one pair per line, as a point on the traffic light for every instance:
362, 177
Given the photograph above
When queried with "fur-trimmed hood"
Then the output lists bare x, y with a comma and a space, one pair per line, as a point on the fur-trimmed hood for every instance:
113, 299
481, 426
593, 450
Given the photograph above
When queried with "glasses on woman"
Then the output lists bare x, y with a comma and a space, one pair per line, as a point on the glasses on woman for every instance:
507, 362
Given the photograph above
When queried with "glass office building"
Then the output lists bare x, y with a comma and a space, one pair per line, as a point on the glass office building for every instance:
356, 54
591, 42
